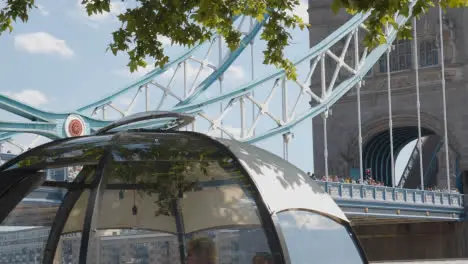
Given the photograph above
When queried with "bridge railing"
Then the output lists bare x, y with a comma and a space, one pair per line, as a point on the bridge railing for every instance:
349, 191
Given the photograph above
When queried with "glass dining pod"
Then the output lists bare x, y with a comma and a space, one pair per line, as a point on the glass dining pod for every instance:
166, 196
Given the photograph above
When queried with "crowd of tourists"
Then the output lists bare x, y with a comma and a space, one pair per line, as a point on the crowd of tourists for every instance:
335, 178
371, 181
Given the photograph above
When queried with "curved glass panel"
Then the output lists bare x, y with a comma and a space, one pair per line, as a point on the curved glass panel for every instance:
175, 199
81, 151
164, 123
313, 238
163, 198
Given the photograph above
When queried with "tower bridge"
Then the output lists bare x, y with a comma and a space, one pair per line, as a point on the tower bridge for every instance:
365, 105
341, 73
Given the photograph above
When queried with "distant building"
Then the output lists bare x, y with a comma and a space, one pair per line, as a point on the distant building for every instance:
126, 246
47, 199
22, 246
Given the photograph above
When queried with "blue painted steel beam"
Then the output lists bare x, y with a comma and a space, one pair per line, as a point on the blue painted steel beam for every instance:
316, 50
340, 90
213, 77
52, 128
144, 79
40, 128
140, 81
26, 111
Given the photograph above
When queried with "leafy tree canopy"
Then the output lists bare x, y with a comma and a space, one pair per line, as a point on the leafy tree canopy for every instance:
189, 22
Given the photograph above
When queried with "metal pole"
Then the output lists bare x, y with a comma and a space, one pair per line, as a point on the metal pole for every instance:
418, 102
361, 169
325, 114
285, 117
252, 65
325, 142
356, 64
220, 58
390, 121
186, 91
285, 146
185, 85
242, 110
147, 98
103, 112
312, 135
442, 60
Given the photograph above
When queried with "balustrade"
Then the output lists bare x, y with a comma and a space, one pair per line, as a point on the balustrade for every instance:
349, 191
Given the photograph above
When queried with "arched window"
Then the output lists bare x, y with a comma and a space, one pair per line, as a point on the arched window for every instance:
400, 58
428, 53
313, 238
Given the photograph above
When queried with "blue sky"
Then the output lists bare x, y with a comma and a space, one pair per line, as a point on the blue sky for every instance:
58, 62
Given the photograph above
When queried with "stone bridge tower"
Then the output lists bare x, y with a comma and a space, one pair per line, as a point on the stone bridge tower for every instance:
343, 125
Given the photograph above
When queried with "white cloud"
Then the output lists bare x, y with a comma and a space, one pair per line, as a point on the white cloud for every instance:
42, 43
124, 101
235, 73
141, 71
235, 131
30, 97
164, 40
192, 71
42, 10
305, 222
301, 10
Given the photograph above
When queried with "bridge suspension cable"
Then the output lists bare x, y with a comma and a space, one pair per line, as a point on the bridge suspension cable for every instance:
418, 101
444, 101
390, 114
358, 88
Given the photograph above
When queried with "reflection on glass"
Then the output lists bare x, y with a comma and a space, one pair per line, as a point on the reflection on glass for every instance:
68, 249
164, 198
312, 238
201, 250
24, 232
80, 150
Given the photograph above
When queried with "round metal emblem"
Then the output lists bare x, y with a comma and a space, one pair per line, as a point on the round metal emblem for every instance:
74, 126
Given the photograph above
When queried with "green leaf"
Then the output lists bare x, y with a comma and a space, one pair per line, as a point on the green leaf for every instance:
336, 6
